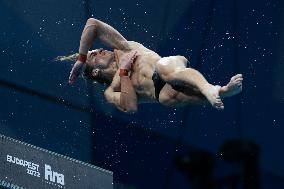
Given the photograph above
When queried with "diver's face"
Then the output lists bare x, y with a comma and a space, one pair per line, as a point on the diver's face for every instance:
100, 58
101, 61
96, 73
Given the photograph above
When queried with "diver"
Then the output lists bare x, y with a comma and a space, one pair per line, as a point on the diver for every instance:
135, 74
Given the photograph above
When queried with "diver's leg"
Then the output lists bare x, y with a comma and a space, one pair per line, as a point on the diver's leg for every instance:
170, 97
192, 96
172, 73
233, 87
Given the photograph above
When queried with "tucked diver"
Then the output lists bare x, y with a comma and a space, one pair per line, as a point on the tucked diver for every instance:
135, 74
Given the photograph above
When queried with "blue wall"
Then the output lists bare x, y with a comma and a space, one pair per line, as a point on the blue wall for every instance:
220, 37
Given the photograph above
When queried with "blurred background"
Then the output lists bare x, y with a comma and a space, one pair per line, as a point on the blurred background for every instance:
159, 147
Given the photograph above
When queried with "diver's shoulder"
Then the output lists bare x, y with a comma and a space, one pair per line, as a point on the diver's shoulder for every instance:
135, 45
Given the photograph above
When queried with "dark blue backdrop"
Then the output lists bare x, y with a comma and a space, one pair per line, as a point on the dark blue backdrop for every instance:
221, 38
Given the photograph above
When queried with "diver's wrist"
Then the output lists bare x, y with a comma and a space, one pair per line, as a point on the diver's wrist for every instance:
82, 58
123, 72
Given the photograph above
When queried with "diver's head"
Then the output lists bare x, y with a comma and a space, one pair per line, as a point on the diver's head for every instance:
100, 66
100, 58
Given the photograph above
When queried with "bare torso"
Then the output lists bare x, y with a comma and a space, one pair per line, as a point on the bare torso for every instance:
141, 75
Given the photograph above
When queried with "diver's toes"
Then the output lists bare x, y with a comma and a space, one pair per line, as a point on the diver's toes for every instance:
236, 77
220, 107
218, 102
239, 80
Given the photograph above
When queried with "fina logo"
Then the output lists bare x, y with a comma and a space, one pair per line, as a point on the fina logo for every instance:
53, 177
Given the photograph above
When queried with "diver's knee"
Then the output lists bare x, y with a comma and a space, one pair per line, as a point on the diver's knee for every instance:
182, 61
165, 68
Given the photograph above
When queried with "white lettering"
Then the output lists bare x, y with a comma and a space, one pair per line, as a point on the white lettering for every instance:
35, 167
19, 161
9, 158
48, 173
53, 176
32, 168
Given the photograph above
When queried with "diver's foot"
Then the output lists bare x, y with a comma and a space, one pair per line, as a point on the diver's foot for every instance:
233, 87
214, 98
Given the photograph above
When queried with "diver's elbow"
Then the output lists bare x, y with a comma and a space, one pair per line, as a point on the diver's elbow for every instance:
92, 21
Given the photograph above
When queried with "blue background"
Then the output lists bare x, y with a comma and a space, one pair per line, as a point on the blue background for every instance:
221, 38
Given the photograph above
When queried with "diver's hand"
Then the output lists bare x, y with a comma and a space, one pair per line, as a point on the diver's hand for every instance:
76, 71
127, 60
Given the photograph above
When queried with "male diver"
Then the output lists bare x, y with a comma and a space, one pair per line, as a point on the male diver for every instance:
135, 74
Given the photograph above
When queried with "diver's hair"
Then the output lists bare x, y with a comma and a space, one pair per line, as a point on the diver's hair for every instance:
87, 71
72, 57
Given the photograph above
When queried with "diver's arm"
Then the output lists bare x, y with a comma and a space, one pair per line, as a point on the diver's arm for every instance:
105, 33
128, 97
113, 98
124, 99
